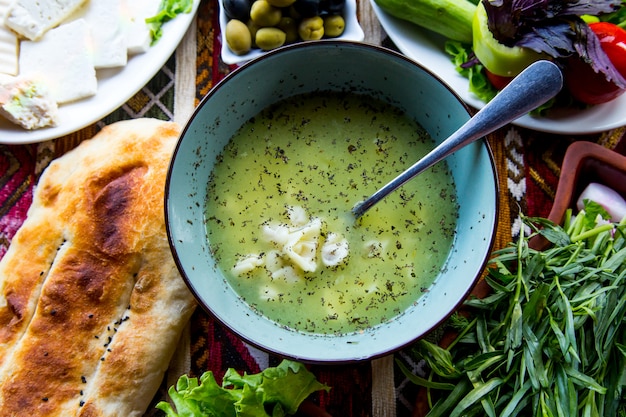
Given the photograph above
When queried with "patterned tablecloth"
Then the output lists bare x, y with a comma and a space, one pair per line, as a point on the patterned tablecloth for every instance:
528, 165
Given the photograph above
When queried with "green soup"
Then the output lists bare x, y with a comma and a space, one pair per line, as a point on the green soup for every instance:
279, 216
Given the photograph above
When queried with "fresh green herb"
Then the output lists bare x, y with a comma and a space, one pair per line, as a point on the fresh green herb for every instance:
550, 339
168, 10
461, 54
276, 391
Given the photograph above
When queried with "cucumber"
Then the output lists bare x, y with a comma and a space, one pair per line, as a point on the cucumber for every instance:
450, 18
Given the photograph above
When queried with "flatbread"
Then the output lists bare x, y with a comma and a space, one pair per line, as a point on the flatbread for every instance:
91, 303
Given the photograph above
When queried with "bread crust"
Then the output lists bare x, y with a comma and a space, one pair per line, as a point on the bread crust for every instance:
91, 303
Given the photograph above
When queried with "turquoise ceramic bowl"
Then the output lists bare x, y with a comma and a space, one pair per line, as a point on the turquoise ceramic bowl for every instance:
340, 66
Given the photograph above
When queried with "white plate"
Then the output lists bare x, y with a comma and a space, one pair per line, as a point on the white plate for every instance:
352, 32
115, 87
427, 49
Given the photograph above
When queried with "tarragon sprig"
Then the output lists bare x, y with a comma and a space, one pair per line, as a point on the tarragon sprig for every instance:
550, 339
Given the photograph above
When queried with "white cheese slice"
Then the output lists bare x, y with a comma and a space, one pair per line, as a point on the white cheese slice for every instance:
8, 44
107, 32
62, 58
137, 31
25, 101
8, 52
33, 18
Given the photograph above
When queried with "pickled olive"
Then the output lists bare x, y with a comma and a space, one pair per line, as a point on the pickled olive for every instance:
290, 21
281, 3
334, 25
237, 9
311, 28
270, 38
264, 14
290, 27
238, 37
253, 28
307, 8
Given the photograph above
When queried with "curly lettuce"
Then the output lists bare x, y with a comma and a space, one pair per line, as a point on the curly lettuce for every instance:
275, 392
468, 66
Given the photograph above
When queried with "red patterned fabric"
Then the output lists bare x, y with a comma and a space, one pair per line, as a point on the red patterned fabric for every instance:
17, 165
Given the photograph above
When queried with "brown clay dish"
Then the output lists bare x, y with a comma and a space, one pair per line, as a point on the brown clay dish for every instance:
584, 163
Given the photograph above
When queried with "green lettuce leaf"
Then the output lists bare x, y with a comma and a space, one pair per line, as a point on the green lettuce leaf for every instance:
168, 10
275, 392
461, 55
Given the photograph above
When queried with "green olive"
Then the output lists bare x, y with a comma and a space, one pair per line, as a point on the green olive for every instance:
238, 37
290, 27
270, 38
334, 25
311, 28
264, 14
253, 28
281, 3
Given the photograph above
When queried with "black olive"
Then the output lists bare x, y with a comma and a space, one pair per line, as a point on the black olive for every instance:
307, 8
333, 6
237, 9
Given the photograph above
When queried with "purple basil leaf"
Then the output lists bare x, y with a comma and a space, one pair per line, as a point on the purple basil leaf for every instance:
592, 7
569, 39
590, 50
509, 20
556, 40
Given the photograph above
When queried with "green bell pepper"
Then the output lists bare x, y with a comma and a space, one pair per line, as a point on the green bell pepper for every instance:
497, 58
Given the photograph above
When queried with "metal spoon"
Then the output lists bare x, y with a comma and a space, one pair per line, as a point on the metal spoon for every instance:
534, 86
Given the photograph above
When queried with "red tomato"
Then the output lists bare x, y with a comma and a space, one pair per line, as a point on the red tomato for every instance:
498, 81
613, 41
583, 82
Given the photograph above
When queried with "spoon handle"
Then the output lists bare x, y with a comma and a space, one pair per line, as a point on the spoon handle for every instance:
537, 84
